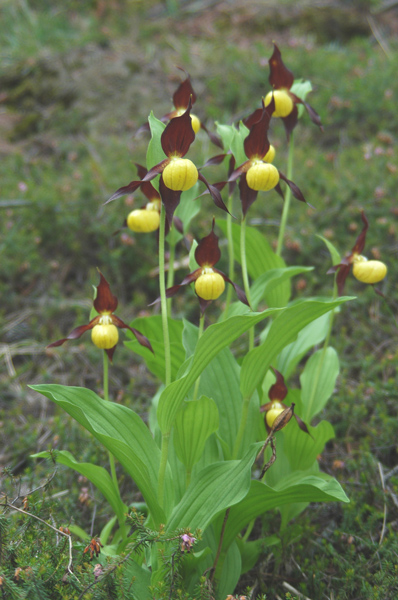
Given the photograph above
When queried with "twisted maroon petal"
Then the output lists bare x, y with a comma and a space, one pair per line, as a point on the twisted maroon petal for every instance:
280, 76
256, 144
360, 241
214, 193
278, 391
184, 92
105, 300
141, 339
76, 333
246, 194
239, 292
170, 199
207, 252
178, 134
297, 193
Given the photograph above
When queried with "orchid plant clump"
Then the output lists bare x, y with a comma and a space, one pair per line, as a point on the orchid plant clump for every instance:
209, 464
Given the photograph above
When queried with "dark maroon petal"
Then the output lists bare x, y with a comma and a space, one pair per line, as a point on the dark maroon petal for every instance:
110, 353
265, 407
256, 144
343, 271
280, 77
360, 241
178, 134
134, 185
215, 193
231, 168
246, 194
290, 122
278, 189
278, 391
302, 425
178, 224
184, 92
126, 189
141, 339
172, 291
253, 118
213, 137
295, 189
105, 300
170, 199
141, 170
207, 253
239, 292
75, 333
315, 118
243, 168
214, 160
203, 304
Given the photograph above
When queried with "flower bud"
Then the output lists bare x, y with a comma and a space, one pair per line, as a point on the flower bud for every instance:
209, 285
273, 412
180, 174
269, 157
262, 177
143, 220
283, 103
368, 271
105, 335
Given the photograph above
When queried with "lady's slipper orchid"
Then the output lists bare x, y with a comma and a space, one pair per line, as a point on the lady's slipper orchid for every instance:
282, 79
181, 98
257, 174
275, 407
146, 218
367, 271
209, 281
104, 327
177, 173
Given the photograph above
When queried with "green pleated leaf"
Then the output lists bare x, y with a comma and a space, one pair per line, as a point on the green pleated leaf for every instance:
301, 88
220, 381
214, 339
97, 475
250, 551
283, 331
212, 490
152, 328
314, 333
268, 281
155, 152
138, 581
318, 381
194, 424
121, 431
262, 497
260, 259
226, 133
334, 253
230, 574
236, 144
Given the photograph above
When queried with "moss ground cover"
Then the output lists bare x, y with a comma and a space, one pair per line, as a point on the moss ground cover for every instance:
75, 86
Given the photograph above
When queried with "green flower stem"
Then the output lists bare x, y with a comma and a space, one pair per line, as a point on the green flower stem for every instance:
167, 355
170, 273
242, 427
163, 299
111, 457
245, 275
231, 257
197, 382
288, 196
